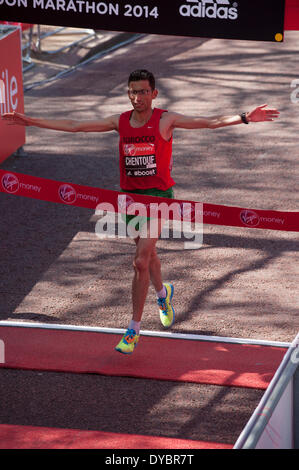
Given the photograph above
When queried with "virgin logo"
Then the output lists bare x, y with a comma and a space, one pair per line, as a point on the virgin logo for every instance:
124, 201
187, 211
130, 149
10, 183
249, 218
67, 193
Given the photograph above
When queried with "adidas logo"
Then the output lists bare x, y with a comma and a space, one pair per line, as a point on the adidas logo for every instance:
220, 9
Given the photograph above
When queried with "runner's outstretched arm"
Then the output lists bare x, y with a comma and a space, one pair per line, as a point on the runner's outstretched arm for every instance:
68, 125
259, 114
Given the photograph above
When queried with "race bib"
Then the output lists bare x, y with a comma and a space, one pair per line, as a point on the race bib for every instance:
140, 159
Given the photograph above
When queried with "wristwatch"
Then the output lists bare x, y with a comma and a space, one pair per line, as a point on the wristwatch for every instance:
244, 118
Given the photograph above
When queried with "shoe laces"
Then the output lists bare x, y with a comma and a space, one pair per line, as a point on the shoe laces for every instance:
129, 335
162, 303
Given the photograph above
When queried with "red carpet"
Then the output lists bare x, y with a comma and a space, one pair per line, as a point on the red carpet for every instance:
154, 358
31, 437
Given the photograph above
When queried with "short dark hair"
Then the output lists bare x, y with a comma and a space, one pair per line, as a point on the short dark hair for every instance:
142, 74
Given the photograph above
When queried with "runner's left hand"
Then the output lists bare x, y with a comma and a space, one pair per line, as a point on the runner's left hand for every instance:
260, 114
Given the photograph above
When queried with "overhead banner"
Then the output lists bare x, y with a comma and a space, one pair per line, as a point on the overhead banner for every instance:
242, 19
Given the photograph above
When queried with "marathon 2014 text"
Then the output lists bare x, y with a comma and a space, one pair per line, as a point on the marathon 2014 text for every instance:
89, 7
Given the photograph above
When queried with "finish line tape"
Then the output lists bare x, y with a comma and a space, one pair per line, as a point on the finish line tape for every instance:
89, 197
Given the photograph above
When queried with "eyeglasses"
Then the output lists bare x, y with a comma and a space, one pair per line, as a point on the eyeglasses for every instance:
134, 93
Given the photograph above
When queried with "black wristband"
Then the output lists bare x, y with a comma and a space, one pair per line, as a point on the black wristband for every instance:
244, 119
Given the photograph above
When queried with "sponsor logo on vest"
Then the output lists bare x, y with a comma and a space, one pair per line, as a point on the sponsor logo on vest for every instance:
217, 9
131, 149
144, 172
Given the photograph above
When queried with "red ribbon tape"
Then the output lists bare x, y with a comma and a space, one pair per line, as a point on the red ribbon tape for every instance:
89, 197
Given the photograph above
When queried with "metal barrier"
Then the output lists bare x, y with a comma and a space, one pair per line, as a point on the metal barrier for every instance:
27, 43
275, 422
89, 34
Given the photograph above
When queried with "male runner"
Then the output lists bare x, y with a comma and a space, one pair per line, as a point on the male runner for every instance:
148, 131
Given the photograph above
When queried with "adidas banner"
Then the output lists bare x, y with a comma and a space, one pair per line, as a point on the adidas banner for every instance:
259, 20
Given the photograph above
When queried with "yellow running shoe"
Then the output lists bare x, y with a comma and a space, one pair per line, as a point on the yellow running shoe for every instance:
166, 309
128, 342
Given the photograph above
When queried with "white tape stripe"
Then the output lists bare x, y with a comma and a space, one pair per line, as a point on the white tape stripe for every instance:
160, 334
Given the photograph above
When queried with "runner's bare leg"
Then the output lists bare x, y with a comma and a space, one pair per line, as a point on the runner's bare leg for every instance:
147, 268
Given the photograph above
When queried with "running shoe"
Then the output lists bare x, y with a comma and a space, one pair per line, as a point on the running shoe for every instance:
128, 342
166, 309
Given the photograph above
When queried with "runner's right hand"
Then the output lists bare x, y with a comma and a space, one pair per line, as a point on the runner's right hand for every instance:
15, 118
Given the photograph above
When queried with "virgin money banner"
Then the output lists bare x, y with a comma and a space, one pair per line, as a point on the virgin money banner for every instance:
11, 91
260, 20
94, 198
